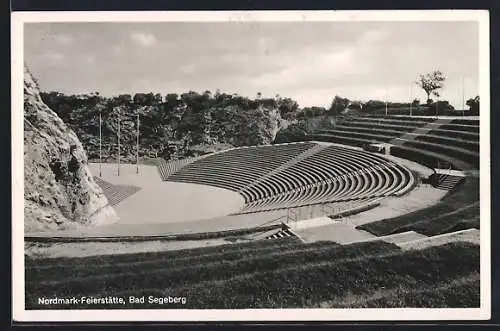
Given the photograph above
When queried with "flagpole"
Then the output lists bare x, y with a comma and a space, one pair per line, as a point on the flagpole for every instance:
119, 124
386, 104
137, 149
437, 105
100, 144
411, 98
463, 95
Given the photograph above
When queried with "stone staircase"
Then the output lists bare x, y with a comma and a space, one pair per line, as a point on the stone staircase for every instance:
397, 238
281, 234
469, 235
448, 182
420, 131
305, 154
116, 193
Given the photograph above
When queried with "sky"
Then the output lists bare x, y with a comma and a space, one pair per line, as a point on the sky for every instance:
310, 62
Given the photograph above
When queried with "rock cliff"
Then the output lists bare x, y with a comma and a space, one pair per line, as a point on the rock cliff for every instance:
170, 127
58, 193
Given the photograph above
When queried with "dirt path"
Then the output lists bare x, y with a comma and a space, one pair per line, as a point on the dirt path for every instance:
470, 235
39, 250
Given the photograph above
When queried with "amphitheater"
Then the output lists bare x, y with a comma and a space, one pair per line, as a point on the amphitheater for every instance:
381, 212
398, 179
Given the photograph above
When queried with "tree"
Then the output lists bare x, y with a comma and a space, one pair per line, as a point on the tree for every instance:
143, 99
372, 105
338, 105
172, 98
415, 103
310, 112
431, 83
293, 133
287, 106
217, 94
473, 104
158, 99
439, 108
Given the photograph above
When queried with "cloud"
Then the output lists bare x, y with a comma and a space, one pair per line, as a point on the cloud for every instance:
52, 56
89, 58
373, 37
310, 62
264, 44
116, 50
187, 69
144, 39
63, 39
310, 67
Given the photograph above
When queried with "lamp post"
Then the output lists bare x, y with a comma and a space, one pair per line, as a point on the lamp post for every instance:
119, 124
463, 95
137, 146
386, 97
437, 106
411, 99
100, 144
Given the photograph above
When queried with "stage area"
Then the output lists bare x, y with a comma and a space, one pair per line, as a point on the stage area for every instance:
165, 202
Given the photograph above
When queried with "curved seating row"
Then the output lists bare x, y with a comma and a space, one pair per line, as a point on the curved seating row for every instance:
400, 118
168, 168
390, 121
449, 214
378, 181
340, 139
380, 125
239, 167
456, 125
472, 146
329, 163
446, 130
466, 121
440, 138
469, 136
467, 152
455, 144
428, 158
464, 155
370, 130
330, 174
460, 127
358, 135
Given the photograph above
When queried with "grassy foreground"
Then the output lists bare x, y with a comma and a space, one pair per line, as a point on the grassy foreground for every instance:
263, 274
463, 292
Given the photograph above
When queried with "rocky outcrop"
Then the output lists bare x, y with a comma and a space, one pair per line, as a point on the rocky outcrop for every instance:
299, 130
58, 193
168, 128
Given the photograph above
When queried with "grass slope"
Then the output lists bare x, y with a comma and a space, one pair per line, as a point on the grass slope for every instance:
123, 258
300, 275
462, 292
165, 261
458, 210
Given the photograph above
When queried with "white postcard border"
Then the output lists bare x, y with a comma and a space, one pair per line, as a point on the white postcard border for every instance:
177, 315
